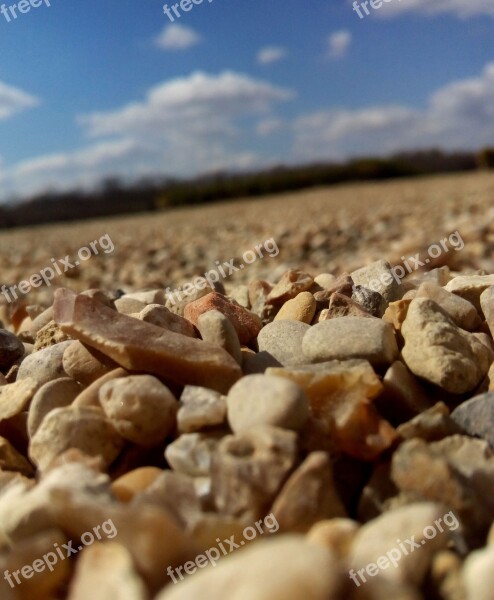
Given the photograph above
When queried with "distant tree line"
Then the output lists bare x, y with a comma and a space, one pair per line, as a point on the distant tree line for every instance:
114, 197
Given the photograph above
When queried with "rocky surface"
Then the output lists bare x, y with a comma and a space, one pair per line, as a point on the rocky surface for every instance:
331, 417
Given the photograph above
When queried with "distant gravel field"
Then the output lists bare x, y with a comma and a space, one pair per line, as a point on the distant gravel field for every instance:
332, 229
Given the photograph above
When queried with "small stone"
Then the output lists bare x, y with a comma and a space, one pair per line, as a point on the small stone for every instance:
85, 364
325, 280
351, 337
128, 306
247, 325
11, 349
462, 312
140, 407
283, 341
470, 287
140, 346
343, 285
369, 300
58, 393
487, 306
217, 329
240, 295
301, 308
289, 286
396, 313
191, 453
249, 469
258, 400
90, 396
159, 315
343, 306
340, 395
431, 425
200, 408
378, 277
308, 496
439, 351
378, 537
126, 487
14, 397
476, 417
44, 365
106, 571
11, 460
49, 335
84, 428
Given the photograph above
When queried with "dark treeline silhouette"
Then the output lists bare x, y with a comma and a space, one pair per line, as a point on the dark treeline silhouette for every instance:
114, 197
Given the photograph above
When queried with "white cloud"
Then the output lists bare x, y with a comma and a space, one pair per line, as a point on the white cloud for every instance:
338, 43
459, 115
14, 100
177, 37
271, 54
269, 126
460, 8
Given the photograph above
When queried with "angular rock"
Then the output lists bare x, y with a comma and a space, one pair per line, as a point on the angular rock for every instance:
144, 347
249, 469
283, 341
342, 306
351, 337
340, 395
49, 335
191, 453
301, 308
470, 287
140, 407
290, 285
371, 301
200, 408
159, 315
247, 324
396, 313
440, 352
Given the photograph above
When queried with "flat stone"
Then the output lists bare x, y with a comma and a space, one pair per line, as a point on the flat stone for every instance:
258, 400
476, 417
106, 571
341, 395
463, 313
85, 364
11, 349
140, 346
140, 407
217, 329
301, 308
84, 428
44, 365
248, 470
191, 453
379, 278
351, 337
291, 284
470, 287
283, 341
247, 324
58, 393
439, 351
14, 397
308, 496
200, 408
159, 315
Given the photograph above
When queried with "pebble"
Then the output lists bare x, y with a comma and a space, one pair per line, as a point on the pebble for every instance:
11, 349
126, 487
85, 364
343, 306
246, 324
84, 428
140, 346
200, 408
476, 417
379, 278
58, 393
325, 280
258, 400
291, 284
470, 287
140, 407
461, 311
487, 306
217, 329
351, 337
44, 365
283, 341
14, 397
439, 351
49, 335
478, 574
301, 308
248, 470
369, 300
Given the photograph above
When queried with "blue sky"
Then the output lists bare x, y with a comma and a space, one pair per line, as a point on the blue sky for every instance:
93, 88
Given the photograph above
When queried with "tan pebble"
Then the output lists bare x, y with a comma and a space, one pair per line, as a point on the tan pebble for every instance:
127, 486
301, 308
289, 286
217, 329
85, 364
